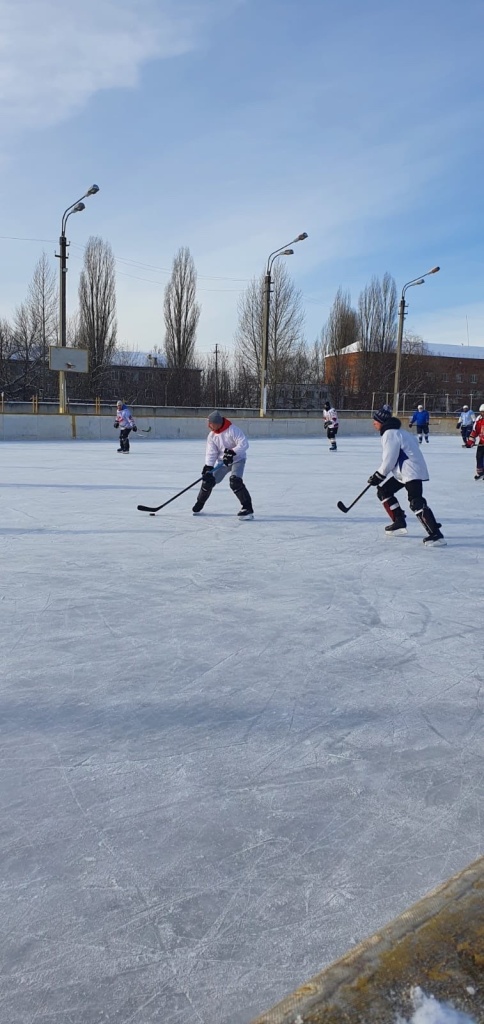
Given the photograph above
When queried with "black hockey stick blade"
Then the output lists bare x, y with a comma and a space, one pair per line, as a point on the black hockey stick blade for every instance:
143, 431
346, 508
149, 508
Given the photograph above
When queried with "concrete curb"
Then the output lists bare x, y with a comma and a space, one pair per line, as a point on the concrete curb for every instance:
438, 944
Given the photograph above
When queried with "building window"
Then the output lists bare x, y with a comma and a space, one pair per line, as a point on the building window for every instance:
445, 378
458, 378
473, 378
458, 393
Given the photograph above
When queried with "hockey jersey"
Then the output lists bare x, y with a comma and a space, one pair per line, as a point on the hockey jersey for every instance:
402, 455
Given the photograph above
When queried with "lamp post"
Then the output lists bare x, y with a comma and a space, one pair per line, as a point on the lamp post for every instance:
282, 251
76, 207
401, 318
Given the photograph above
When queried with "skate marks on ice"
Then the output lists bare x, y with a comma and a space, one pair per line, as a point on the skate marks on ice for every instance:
272, 745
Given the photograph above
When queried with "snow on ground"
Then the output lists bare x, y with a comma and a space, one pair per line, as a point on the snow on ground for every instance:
229, 751
429, 1010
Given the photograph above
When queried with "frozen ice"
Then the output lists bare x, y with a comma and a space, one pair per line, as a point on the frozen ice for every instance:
228, 751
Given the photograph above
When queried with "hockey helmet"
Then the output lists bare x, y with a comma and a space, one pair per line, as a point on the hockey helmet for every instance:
481, 408
465, 408
420, 408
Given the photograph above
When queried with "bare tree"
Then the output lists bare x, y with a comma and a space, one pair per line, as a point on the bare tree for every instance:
217, 377
7, 350
43, 304
378, 310
286, 327
340, 331
97, 308
181, 311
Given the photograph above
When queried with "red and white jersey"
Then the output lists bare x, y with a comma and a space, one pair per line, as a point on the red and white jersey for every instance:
331, 416
477, 432
229, 436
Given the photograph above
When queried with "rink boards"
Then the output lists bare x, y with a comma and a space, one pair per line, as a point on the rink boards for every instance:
437, 945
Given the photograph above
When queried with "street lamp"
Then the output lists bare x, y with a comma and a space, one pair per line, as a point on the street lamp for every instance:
401, 318
76, 207
282, 251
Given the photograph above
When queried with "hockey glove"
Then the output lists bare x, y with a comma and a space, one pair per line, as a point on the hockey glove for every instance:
457, 426
135, 428
116, 425
470, 444
376, 479
229, 456
206, 470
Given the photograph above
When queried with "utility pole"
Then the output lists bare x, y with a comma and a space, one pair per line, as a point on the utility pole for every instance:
216, 377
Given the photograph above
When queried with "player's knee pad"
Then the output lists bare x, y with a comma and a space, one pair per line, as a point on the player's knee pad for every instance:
236, 483
417, 505
208, 483
382, 493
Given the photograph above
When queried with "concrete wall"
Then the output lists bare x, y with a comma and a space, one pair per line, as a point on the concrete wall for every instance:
45, 427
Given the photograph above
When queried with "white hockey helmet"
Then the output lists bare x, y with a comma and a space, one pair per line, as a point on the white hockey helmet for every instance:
465, 408
420, 408
481, 408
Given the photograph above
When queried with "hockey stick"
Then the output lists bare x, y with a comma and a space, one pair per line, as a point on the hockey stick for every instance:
345, 508
144, 431
148, 508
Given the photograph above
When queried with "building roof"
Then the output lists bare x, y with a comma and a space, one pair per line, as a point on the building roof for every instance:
451, 351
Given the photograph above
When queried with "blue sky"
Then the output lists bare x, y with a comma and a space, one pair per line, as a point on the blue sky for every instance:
232, 125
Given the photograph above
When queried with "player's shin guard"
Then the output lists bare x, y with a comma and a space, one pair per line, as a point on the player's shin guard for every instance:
205, 491
429, 522
392, 508
240, 490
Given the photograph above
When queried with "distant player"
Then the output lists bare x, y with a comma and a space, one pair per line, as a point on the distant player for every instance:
405, 466
465, 424
125, 423
331, 424
477, 435
228, 445
421, 419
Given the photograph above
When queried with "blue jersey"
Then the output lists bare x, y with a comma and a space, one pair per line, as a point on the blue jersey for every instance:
420, 418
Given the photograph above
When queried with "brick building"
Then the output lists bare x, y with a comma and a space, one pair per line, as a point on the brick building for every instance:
442, 377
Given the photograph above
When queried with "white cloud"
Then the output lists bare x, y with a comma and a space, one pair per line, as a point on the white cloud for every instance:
54, 54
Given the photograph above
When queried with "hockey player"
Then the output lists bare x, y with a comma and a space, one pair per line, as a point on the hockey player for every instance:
331, 424
421, 419
477, 435
465, 424
227, 444
405, 466
125, 423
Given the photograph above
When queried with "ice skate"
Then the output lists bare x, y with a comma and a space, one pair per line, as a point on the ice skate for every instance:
398, 527
435, 540
246, 513
197, 508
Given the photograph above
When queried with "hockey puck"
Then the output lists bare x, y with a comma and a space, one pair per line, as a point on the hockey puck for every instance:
152, 513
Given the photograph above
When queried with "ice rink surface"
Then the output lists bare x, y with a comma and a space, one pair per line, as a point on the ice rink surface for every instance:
228, 750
